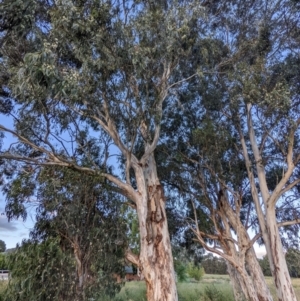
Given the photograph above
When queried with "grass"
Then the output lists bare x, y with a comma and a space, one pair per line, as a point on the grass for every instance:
295, 282
210, 288
216, 286
3, 285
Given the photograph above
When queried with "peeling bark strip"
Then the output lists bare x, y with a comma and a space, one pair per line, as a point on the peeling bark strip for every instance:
155, 259
154, 213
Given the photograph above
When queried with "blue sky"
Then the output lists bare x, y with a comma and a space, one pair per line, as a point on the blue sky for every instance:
15, 231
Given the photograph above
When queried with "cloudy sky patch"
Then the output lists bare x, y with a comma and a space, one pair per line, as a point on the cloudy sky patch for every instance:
7, 226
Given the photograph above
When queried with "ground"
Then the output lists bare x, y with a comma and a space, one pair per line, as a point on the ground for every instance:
214, 285
210, 288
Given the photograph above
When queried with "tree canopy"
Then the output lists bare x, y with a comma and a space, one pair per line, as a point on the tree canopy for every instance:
2, 246
149, 103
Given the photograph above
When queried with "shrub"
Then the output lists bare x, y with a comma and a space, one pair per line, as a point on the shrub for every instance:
181, 271
195, 272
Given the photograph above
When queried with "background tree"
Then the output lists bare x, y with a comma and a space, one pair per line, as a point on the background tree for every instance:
2, 246
265, 266
79, 216
34, 270
214, 265
199, 160
3, 262
245, 78
293, 262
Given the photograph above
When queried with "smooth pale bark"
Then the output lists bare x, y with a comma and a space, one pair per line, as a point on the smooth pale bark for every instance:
243, 283
244, 270
246, 252
155, 259
81, 274
238, 291
268, 224
257, 276
280, 271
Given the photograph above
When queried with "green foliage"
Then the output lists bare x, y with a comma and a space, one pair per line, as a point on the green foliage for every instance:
40, 271
3, 261
79, 226
293, 262
2, 246
212, 293
195, 272
187, 291
181, 271
3, 286
214, 265
133, 231
265, 266
43, 271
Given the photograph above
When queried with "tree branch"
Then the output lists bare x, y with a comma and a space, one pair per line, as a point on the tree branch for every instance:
133, 258
278, 189
133, 195
162, 96
288, 187
289, 223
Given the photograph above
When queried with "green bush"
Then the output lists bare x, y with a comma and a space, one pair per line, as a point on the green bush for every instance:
181, 271
211, 293
3, 261
3, 286
195, 272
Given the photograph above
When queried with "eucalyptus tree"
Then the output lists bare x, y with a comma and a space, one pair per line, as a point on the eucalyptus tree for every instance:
268, 146
255, 98
263, 96
87, 81
213, 184
78, 217
263, 108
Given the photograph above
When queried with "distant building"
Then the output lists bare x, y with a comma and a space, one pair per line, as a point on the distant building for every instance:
4, 275
130, 275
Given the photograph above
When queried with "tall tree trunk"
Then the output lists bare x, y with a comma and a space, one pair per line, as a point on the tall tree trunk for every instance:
155, 259
246, 254
257, 276
280, 273
80, 271
238, 291
268, 224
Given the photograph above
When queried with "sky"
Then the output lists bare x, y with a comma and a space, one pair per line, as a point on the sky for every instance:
15, 231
